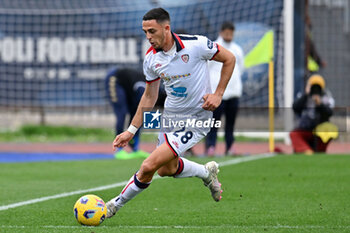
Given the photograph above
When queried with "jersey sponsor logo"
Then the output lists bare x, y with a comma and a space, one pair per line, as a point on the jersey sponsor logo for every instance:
185, 58
210, 44
151, 120
178, 91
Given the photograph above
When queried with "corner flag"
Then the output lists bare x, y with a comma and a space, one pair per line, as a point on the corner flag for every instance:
262, 53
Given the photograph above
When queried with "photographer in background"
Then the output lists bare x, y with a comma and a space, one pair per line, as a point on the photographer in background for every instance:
313, 108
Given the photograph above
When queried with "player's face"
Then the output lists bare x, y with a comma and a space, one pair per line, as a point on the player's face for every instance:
155, 32
227, 35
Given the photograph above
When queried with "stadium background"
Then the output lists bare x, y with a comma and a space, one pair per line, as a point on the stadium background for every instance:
54, 55
42, 83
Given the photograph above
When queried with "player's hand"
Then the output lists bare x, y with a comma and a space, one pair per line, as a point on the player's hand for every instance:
211, 102
122, 139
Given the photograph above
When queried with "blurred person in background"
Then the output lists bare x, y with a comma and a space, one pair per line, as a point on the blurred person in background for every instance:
230, 100
124, 88
313, 108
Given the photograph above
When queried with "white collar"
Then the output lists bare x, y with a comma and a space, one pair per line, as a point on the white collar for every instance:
171, 51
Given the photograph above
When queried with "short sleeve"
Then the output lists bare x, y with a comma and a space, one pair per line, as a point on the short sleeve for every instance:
207, 48
149, 73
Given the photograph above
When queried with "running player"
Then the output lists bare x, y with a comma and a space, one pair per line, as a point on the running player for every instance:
181, 62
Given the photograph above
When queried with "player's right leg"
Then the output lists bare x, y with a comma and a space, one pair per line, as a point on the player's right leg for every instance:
142, 179
183, 167
208, 173
212, 181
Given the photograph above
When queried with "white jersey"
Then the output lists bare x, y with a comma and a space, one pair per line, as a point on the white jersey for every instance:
185, 74
183, 69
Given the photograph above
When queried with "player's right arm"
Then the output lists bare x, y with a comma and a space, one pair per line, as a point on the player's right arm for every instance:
147, 101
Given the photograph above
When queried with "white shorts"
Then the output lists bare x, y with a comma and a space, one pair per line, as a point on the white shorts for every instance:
181, 139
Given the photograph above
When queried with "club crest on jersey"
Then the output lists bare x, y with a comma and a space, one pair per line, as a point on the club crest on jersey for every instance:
185, 58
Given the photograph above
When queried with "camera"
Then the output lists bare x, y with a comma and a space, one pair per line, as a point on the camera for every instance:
315, 90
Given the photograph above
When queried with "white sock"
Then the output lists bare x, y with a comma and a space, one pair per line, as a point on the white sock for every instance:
188, 168
133, 188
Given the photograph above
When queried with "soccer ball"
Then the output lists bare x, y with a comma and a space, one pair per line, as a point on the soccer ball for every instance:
90, 210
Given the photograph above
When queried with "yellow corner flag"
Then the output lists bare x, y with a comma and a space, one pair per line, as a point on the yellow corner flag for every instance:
262, 53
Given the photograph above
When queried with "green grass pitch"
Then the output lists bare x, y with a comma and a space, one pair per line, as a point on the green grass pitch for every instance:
279, 194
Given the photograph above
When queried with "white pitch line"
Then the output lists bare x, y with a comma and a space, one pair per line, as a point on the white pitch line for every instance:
246, 159
121, 184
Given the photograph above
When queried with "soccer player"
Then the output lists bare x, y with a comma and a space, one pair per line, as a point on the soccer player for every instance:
230, 99
181, 62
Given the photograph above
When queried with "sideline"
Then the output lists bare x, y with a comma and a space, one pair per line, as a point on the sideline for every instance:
24, 157
120, 184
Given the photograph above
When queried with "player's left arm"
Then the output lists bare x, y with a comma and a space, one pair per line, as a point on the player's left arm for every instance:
212, 101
